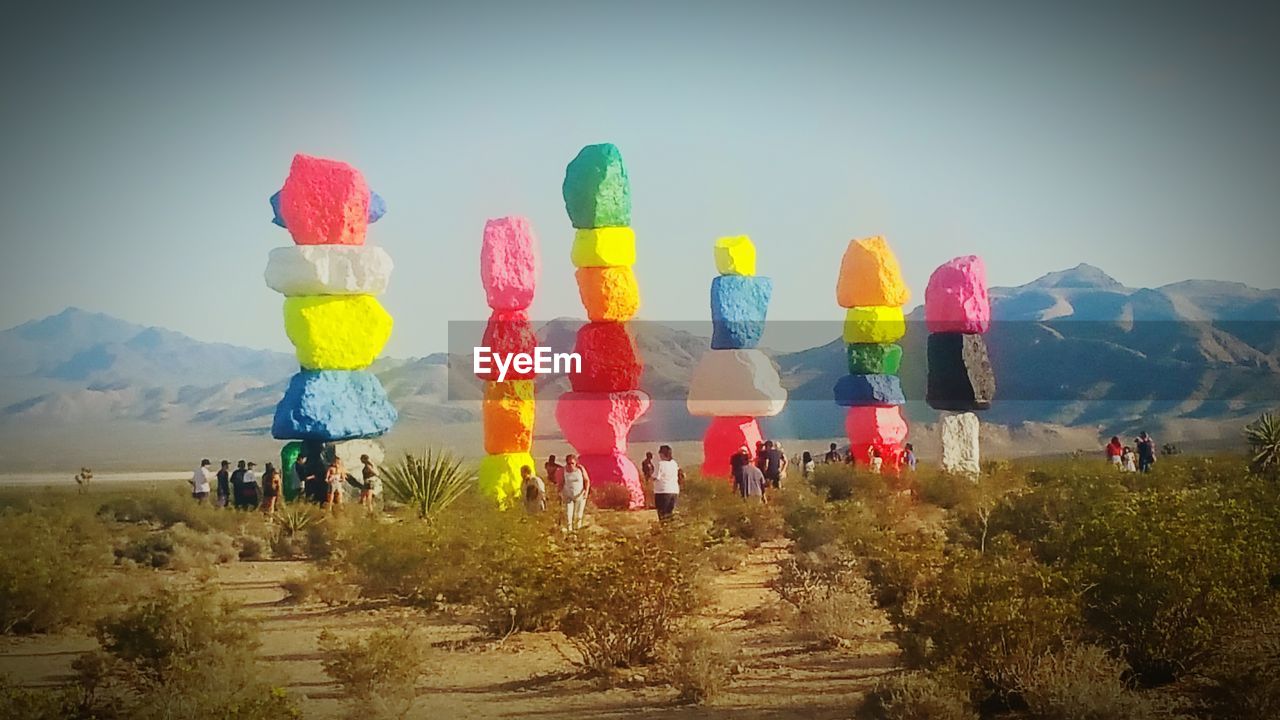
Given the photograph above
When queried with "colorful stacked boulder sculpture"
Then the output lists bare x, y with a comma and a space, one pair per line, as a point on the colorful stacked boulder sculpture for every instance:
330, 279
605, 401
509, 268
871, 288
960, 381
734, 382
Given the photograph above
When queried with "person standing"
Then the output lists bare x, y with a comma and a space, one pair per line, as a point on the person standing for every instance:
646, 467
201, 480
737, 464
909, 457
772, 464
667, 477
237, 485
249, 488
271, 489
369, 482
334, 477
832, 457
1146, 446
552, 469
807, 466
877, 462
224, 484
534, 491
1127, 463
1114, 451
575, 487
754, 484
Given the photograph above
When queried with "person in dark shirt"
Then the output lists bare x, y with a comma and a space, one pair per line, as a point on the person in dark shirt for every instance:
772, 464
832, 456
646, 468
738, 463
224, 484
1146, 447
759, 459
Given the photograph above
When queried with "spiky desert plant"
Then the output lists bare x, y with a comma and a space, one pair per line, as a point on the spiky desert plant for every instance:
1263, 435
428, 482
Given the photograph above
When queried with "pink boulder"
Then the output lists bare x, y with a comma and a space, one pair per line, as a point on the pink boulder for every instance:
610, 359
875, 427
956, 297
615, 481
723, 438
324, 202
508, 332
598, 423
509, 263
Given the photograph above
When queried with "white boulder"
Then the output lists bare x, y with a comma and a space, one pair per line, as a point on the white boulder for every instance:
735, 383
959, 442
329, 270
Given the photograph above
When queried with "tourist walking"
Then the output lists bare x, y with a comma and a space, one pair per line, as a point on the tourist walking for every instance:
667, 477
754, 484
807, 466
1128, 460
552, 469
1146, 448
909, 457
832, 457
575, 488
271, 489
1114, 451
369, 482
201, 480
534, 490
248, 496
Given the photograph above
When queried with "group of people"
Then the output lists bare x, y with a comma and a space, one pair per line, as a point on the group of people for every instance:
321, 482
573, 486
1136, 458
875, 457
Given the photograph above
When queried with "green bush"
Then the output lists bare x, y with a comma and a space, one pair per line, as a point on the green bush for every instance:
987, 613
1242, 671
427, 483
50, 564
623, 602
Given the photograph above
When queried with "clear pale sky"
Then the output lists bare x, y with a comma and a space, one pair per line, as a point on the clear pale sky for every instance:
141, 140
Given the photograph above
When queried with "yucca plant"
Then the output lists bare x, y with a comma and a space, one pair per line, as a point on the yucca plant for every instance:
1263, 435
428, 482
293, 519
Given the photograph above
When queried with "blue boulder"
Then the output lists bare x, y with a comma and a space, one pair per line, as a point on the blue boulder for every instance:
332, 405
869, 390
739, 304
377, 208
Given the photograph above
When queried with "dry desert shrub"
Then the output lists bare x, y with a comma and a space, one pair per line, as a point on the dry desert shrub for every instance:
50, 566
1079, 682
378, 672
698, 664
920, 696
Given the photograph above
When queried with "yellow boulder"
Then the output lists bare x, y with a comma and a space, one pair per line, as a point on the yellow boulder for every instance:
499, 476
508, 416
869, 275
874, 324
336, 332
735, 256
603, 247
610, 294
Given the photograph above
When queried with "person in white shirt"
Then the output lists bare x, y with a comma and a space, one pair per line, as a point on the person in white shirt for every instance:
667, 476
201, 481
575, 487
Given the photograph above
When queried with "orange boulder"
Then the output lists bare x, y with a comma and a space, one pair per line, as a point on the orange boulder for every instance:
869, 275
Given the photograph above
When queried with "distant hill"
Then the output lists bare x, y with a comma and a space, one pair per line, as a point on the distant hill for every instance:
1072, 349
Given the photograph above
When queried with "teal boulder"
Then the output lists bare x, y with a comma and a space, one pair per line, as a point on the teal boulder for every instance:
596, 190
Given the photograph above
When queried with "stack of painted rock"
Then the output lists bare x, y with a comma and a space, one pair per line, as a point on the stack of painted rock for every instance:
871, 287
957, 312
509, 266
605, 401
734, 382
330, 280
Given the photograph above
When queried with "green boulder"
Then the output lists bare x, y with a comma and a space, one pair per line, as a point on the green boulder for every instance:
596, 190
874, 358
288, 456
